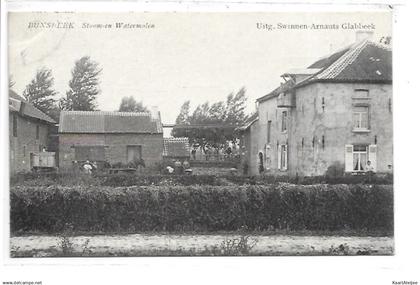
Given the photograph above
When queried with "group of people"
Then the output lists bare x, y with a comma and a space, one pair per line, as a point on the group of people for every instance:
179, 167
214, 152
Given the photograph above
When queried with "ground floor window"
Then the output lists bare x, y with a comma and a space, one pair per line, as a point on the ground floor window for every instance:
282, 157
360, 158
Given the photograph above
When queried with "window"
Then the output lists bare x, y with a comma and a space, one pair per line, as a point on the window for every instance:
360, 118
268, 131
14, 122
323, 104
37, 132
361, 93
357, 156
282, 154
284, 121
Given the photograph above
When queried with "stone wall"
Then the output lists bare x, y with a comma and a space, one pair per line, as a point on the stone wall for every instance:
115, 146
25, 142
320, 126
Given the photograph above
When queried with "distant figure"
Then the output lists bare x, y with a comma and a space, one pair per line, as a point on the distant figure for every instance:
369, 171
185, 165
193, 152
87, 167
178, 167
169, 169
228, 151
369, 166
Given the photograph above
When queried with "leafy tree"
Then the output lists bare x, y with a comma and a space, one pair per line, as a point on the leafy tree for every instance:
40, 93
83, 86
235, 107
225, 116
129, 104
184, 114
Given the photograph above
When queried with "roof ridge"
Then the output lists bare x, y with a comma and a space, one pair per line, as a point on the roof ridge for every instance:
347, 58
114, 113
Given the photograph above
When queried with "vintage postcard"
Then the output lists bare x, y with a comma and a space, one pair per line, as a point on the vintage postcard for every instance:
200, 134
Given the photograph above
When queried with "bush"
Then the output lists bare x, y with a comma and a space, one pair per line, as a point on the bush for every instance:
202, 208
117, 180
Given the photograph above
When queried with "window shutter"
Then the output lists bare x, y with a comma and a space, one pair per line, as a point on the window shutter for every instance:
349, 158
279, 156
372, 155
285, 157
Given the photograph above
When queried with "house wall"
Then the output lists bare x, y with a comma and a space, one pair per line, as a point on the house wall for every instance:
116, 146
335, 122
310, 122
25, 142
268, 111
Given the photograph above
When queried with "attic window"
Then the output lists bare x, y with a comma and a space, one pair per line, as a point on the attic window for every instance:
361, 93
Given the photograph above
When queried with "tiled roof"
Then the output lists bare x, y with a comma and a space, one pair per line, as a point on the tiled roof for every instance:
176, 147
18, 104
363, 62
108, 122
276, 92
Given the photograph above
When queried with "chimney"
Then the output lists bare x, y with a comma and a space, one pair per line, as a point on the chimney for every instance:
363, 35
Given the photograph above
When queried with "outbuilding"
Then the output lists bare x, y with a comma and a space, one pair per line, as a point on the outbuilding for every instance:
110, 137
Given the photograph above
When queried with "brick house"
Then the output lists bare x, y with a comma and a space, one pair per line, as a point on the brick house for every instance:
112, 137
29, 130
338, 111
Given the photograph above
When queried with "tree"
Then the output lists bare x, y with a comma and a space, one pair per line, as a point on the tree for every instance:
223, 115
184, 114
40, 93
83, 86
129, 104
235, 107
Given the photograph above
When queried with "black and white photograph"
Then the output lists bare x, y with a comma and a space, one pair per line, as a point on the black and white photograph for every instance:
202, 134
218, 143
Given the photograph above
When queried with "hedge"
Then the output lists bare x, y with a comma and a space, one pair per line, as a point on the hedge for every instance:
202, 208
117, 180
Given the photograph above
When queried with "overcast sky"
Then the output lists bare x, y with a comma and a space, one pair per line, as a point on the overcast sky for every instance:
198, 57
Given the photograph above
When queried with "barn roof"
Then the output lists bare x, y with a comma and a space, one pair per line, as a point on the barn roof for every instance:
109, 122
176, 147
19, 104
